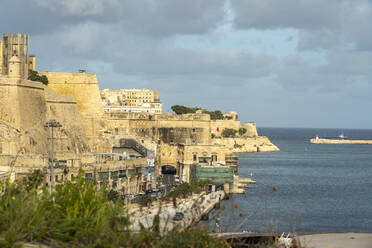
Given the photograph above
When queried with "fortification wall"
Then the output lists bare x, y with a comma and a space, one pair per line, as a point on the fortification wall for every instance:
217, 126
84, 88
25, 106
71, 136
251, 129
9, 111
32, 114
247, 144
167, 128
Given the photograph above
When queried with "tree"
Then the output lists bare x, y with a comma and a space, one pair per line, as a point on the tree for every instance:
34, 76
242, 131
179, 109
229, 133
215, 115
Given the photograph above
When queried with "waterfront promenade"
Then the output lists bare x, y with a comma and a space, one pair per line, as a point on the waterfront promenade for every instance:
193, 208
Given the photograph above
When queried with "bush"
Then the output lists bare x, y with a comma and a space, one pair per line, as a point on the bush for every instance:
76, 215
242, 131
186, 189
229, 133
179, 110
215, 115
34, 76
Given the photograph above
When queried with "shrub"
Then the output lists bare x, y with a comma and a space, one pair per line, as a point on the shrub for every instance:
76, 215
179, 109
242, 131
228, 132
34, 76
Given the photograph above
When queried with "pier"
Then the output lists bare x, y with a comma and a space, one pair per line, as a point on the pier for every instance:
340, 141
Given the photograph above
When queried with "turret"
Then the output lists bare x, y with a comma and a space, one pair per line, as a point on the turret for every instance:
14, 67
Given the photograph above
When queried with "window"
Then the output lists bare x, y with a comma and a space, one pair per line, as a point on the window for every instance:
88, 177
194, 158
214, 158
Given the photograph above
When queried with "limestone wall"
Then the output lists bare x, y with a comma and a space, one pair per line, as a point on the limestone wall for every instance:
251, 129
247, 144
217, 126
71, 136
25, 106
84, 88
168, 155
166, 128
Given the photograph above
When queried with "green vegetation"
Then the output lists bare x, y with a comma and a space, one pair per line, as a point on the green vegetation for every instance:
242, 131
34, 76
146, 200
76, 215
185, 189
215, 115
179, 110
229, 133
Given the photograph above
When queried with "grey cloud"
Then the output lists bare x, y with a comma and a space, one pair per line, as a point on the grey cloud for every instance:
322, 24
81, 7
138, 55
168, 17
146, 17
303, 14
349, 63
319, 39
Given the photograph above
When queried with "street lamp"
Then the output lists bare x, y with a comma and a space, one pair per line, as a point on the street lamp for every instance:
53, 124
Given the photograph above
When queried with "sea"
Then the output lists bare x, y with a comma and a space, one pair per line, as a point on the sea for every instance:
304, 188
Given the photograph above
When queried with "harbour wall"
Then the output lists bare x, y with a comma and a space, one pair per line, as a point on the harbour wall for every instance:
336, 141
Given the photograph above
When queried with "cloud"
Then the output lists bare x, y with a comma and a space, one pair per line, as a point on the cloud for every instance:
263, 58
301, 14
81, 7
322, 24
146, 17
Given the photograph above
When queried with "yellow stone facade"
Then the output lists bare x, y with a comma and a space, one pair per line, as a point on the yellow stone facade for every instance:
131, 100
83, 87
31, 63
14, 45
209, 155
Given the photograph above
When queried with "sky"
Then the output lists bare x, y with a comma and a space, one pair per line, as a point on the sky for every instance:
279, 63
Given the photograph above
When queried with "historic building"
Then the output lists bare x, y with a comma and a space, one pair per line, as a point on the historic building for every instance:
14, 45
131, 100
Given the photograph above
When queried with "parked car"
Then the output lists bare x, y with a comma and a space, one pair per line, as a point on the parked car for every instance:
178, 216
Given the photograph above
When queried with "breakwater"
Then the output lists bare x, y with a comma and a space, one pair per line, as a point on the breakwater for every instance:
340, 141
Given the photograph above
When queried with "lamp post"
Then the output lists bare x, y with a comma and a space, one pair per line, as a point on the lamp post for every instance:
52, 124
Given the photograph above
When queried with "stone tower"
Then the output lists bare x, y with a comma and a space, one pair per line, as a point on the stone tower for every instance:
14, 67
15, 45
